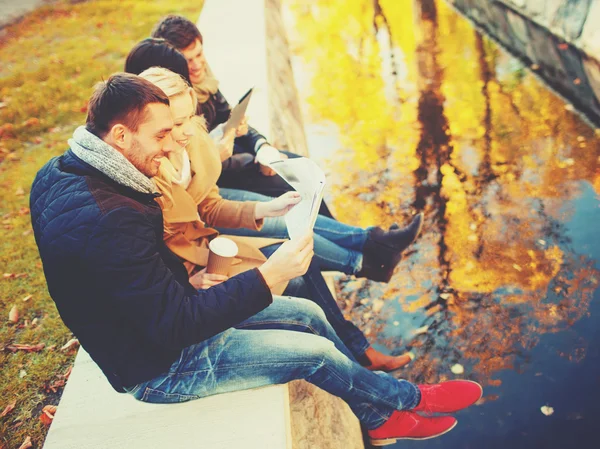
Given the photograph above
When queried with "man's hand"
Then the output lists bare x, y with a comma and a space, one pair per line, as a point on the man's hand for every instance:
225, 145
242, 130
278, 206
289, 261
265, 169
203, 280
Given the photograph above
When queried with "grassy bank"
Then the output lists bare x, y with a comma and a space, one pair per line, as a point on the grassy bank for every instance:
49, 62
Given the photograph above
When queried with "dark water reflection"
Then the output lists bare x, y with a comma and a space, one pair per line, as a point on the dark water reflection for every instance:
410, 109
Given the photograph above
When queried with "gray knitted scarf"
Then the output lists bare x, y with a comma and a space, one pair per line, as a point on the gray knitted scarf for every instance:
100, 155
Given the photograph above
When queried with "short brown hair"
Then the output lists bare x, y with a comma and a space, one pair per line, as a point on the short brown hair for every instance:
122, 98
177, 30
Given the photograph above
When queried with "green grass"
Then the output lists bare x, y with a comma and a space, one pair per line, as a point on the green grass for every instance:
50, 62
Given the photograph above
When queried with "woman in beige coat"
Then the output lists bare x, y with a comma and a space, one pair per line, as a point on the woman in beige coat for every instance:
192, 206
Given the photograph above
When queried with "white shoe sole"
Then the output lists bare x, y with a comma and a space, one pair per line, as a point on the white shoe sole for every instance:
386, 441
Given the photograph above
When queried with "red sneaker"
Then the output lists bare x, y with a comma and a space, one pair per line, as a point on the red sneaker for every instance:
410, 426
448, 397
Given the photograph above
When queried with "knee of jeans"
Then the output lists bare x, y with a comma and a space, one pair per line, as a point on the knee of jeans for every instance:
308, 309
320, 351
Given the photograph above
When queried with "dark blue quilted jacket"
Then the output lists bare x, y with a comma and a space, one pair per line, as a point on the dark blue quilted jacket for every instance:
117, 286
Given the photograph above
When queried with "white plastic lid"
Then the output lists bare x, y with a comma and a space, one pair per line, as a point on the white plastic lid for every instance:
223, 246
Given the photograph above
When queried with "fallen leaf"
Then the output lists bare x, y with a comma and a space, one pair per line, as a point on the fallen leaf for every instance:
72, 343
27, 298
9, 408
13, 315
68, 372
534, 67
7, 129
26, 444
563, 46
27, 348
22, 374
14, 276
48, 414
421, 330
378, 305
546, 410
20, 191
31, 122
396, 323
445, 295
51, 347
457, 368
24, 211
35, 321
577, 81
29, 231
54, 386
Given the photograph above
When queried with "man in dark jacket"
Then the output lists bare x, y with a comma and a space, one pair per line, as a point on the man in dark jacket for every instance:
129, 300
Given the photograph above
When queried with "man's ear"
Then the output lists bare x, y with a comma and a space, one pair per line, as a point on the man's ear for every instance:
119, 137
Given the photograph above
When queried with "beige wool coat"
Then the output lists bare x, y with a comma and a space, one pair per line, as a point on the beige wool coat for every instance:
190, 214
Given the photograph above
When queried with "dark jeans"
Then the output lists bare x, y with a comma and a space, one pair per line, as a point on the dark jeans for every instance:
249, 178
312, 286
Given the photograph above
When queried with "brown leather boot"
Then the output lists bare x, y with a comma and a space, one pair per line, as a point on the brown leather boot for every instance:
378, 361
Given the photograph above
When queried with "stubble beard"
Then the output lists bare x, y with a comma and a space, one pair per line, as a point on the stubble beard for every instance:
146, 167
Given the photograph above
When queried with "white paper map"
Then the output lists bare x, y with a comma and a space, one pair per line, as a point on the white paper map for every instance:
305, 176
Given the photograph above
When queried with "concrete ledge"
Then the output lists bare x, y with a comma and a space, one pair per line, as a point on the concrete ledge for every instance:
92, 415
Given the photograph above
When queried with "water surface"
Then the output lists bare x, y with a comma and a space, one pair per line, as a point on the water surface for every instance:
409, 109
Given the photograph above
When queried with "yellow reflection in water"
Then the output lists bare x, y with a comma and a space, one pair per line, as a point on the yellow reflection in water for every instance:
432, 115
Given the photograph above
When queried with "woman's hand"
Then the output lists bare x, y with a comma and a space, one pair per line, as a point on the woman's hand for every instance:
278, 206
225, 145
203, 280
242, 130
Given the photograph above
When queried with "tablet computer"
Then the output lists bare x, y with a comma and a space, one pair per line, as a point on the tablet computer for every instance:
238, 112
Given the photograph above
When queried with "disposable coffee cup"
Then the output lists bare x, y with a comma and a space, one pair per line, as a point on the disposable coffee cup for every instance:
221, 253
265, 157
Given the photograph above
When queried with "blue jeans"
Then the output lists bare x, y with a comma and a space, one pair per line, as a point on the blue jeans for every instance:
291, 339
312, 286
337, 246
